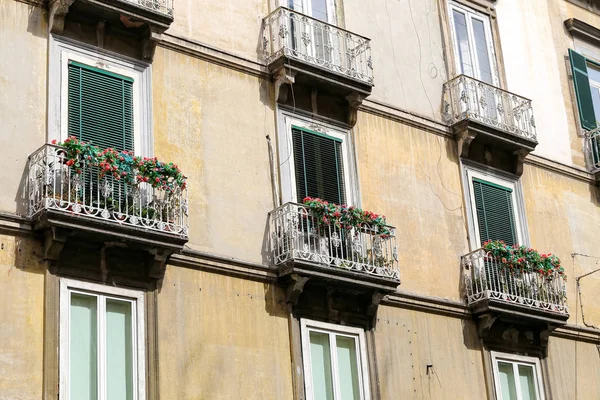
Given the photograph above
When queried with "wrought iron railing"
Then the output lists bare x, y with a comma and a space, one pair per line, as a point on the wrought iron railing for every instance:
158, 6
81, 191
466, 98
592, 149
296, 235
287, 33
486, 279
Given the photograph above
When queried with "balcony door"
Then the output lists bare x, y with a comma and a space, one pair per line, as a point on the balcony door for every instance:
315, 39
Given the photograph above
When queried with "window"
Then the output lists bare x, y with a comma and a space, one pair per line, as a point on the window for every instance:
517, 377
586, 77
99, 97
496, 208
102, 342
314, 162
335, 366
323, 10
473, 46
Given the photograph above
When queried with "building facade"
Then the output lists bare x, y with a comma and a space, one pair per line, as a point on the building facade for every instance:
133, 267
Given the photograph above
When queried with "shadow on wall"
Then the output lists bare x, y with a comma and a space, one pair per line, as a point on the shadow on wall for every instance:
23, 253
21, 198
37, 23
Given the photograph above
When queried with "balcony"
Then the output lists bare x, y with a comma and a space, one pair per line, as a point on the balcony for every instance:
513, 308
84, 201
592, 150
300, 244
489, 122
137, 22
305, 51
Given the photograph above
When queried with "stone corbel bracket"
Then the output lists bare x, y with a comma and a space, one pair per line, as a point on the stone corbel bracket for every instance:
282, 78
355, 100
58, 12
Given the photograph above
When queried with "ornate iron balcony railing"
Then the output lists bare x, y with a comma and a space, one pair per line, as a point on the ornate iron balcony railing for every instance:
54, 185
466, 98
592, 149
296, 235
485, 279
287, 33
158, 6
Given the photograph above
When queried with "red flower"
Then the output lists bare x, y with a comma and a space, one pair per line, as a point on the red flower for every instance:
54, 141
70, 162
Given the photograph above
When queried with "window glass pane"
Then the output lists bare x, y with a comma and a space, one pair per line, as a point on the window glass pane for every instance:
319, 10
296, 5
83, 357
526, 379
348, 368
320, 358
119, 350
462, 36
507, 381
483, 56
596, 100
594, 77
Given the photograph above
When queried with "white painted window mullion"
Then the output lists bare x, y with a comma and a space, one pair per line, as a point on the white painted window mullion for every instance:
101, 347
337, 391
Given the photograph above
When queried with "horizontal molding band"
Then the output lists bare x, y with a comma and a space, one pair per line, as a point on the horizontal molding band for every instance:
242, 269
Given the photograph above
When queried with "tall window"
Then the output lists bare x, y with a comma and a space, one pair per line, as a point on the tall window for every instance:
335, 366
494, 208
473, 44
517, 377
100, 107
102, 342
314, 161
586, 77
319, 166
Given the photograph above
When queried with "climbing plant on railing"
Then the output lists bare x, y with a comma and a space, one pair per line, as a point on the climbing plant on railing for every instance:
346, 217
122, 165
524, 259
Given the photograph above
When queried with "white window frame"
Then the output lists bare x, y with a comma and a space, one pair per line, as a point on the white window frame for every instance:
332, 330
516, 360
471, 14
307, 8
287, 169
62, 51
68, 286
491, 175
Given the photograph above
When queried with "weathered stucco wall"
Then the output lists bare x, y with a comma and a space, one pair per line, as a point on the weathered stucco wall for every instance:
562, 214
222, 338
573, 368
407, 51
23, 66
212, 121
22, 316
407, 341
412, 177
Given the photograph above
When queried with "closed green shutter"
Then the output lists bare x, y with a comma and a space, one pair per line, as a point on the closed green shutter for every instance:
582, 90
495, 213
100, 107
319, 166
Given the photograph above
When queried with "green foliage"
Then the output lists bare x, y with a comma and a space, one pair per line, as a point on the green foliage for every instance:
122, 165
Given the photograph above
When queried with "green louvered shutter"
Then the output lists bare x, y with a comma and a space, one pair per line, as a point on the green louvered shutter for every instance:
100, 107
319, 166
495, 212
496, 218
582, 90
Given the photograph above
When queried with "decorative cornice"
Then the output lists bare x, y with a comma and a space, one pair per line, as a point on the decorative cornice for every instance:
583, 31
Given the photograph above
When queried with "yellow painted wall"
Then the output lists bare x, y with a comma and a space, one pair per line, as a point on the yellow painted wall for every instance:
212, 121
412, 177
23, 66
407, 341
572, 370
22, 319
222, 338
